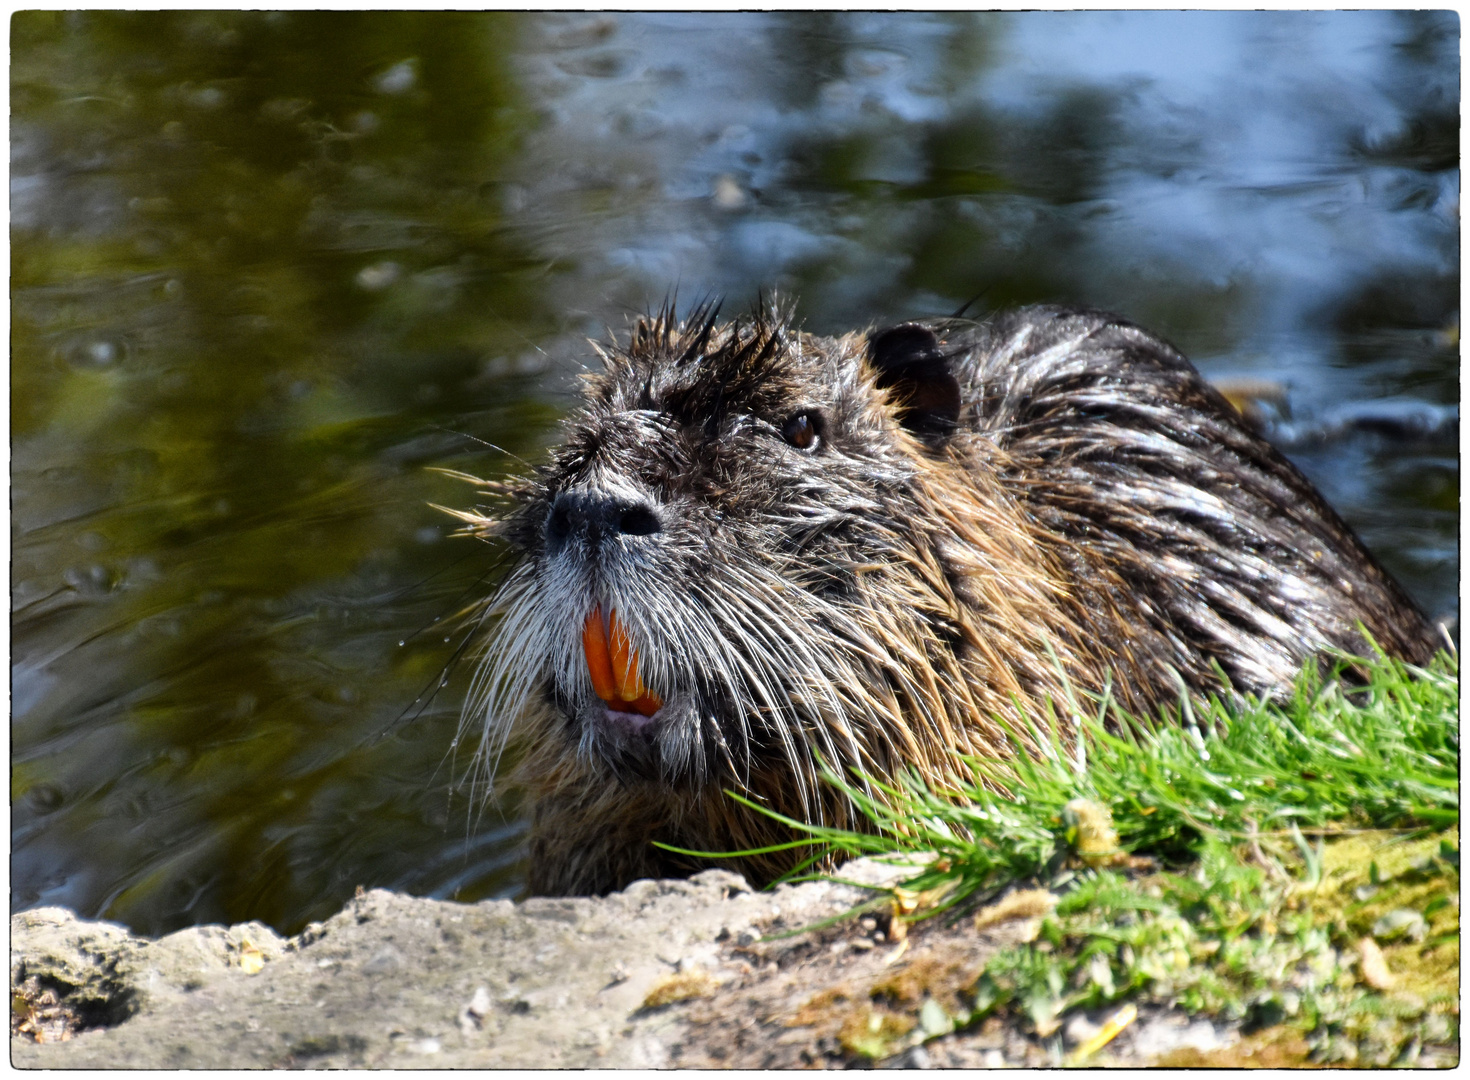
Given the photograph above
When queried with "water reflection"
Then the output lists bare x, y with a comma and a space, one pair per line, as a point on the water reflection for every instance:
267, 267
255, 293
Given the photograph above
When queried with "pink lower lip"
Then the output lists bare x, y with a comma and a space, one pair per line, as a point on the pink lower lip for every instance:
636, 721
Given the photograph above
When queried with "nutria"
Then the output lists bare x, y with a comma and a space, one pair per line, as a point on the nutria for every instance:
756, 547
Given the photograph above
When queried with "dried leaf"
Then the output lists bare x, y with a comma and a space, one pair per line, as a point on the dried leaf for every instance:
1106, 1034
1373, 967
251, 958
1021, 904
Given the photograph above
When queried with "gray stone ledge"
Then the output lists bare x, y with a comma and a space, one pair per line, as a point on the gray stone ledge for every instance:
396, 981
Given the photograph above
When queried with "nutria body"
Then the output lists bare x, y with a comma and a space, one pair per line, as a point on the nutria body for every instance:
870, 547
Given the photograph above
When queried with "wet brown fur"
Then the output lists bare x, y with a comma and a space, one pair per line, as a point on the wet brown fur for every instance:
1094, 516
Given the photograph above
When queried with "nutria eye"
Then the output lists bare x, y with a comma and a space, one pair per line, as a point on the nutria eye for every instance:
803, 431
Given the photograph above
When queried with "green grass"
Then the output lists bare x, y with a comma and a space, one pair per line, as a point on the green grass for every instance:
1233, 873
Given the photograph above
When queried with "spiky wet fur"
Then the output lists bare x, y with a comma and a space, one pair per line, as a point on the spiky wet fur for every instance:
882, 600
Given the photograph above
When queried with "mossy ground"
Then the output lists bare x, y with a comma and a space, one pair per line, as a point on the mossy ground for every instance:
1290, 870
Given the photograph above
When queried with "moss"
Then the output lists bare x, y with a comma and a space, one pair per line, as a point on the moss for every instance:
1371, 877
871, 1033
683, 986
926, 978
1278, 952
1270, 950
1277, 1047
820, 1007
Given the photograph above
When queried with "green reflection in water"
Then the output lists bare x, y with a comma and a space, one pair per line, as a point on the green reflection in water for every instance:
259, 266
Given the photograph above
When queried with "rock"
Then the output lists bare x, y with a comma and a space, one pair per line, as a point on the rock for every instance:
395, 981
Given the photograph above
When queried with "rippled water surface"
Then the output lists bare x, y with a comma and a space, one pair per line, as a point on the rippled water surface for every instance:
268, 270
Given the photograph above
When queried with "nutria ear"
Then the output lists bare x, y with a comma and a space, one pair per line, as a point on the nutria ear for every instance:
910, 361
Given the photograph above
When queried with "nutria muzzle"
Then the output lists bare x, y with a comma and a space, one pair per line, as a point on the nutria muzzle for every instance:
601, 558
758, 550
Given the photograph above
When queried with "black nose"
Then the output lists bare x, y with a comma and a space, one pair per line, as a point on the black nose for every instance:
592, 516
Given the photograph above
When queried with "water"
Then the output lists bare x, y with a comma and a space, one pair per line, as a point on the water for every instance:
270, 269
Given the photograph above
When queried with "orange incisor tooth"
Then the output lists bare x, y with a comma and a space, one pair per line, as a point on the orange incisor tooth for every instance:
614, 670
599, 663
625, 662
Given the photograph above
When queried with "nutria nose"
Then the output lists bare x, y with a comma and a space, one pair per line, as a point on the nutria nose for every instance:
592, 516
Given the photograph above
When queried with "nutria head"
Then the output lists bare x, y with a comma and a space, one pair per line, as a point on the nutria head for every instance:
745, 551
